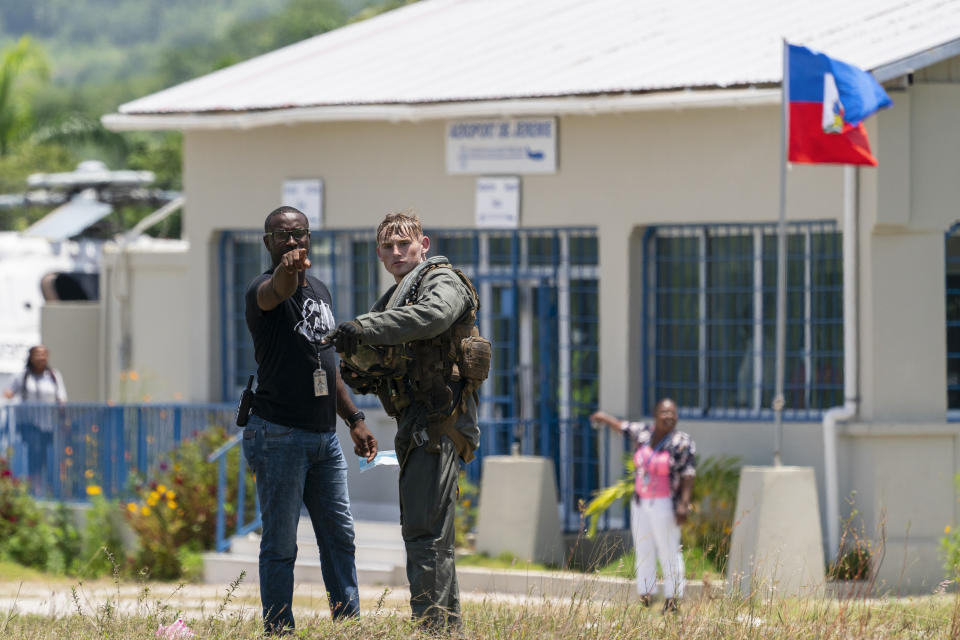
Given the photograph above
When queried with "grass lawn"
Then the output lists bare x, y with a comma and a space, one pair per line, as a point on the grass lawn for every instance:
137, 614
573, 618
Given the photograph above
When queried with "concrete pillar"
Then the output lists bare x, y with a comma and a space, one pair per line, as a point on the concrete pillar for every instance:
518, 509
776, 544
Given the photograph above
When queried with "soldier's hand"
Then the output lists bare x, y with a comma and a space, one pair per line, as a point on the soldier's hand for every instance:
364, 444
347, 337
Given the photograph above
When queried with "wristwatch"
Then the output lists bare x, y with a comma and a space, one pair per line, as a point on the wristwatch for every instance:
354, 418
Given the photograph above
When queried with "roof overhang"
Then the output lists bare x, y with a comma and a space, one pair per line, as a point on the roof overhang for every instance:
916, 61
560, 106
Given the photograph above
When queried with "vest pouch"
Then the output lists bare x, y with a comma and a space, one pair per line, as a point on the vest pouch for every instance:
475, 355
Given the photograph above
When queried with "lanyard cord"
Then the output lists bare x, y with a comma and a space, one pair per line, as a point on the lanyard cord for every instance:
316, 346
655, 450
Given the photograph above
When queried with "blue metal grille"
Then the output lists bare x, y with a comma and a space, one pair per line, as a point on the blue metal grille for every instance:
62, 450
539, 306
952, 254
711, 313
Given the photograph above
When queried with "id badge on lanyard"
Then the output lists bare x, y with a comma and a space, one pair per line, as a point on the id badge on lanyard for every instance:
320, 383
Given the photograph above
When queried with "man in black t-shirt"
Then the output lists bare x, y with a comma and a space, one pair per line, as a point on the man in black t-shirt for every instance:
290, 441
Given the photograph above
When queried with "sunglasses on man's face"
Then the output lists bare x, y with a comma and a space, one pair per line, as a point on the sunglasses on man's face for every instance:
284, 234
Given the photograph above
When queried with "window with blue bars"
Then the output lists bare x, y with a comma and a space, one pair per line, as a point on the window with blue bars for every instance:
710, 319
952, 254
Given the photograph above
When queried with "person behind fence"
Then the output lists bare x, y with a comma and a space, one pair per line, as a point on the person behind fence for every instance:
665, 461
420, 352
42, 384
290, 439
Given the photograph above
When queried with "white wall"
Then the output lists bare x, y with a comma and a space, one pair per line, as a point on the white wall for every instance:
148, 320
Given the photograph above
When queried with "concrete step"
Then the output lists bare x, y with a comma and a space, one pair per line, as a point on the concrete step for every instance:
369, 551
381, 557
223, 568
366, 532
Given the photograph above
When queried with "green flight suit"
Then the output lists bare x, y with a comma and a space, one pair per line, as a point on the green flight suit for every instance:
428, 481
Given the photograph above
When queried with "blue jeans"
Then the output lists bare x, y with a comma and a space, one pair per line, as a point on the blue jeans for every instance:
294, 467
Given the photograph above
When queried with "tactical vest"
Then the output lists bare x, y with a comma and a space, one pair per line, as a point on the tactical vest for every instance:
428, 371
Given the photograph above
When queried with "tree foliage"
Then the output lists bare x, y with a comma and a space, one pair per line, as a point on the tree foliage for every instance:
68, 62
20, 63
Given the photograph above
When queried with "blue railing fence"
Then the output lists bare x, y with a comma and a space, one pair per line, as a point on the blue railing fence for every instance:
62, 450
242, 525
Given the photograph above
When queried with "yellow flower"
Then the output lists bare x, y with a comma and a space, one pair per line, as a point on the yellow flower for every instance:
161, 489
94, 490
145, 511
153, 496
132, 507
466, 504
171, 495
727, 529
946, 529
88, 473
152, 500
172, 504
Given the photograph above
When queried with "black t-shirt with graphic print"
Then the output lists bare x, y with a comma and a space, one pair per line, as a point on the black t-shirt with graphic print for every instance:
285, 344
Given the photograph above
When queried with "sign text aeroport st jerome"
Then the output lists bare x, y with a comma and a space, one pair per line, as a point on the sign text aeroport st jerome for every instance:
526, 145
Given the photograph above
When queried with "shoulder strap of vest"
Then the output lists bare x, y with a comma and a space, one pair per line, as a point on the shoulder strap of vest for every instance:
415, 287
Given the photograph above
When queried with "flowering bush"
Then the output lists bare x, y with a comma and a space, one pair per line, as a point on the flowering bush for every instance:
175, 510
25, 536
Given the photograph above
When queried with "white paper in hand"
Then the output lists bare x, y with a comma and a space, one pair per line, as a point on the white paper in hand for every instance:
386, 458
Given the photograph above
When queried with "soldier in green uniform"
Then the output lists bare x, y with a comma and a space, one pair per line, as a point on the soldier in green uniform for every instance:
421, 341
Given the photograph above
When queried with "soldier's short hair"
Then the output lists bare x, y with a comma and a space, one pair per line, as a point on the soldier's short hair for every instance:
405, 224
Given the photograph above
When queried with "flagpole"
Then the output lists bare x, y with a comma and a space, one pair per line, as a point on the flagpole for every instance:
781, 328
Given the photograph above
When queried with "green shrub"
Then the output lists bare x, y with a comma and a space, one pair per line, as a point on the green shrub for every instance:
950, 545
102, 543
852, 564
25, 536
465, 517
711, 511
175, 510
67, 541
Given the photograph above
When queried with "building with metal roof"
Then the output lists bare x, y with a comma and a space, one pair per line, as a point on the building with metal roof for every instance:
624, 242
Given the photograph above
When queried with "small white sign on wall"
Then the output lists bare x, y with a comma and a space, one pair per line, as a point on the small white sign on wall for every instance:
307, 196
498, 202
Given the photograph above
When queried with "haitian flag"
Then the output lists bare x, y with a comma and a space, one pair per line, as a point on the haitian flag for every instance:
829, 100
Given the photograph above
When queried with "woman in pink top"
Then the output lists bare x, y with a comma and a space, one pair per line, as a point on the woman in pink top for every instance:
665, 461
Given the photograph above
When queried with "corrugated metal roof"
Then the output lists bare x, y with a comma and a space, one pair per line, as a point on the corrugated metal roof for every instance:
439, 51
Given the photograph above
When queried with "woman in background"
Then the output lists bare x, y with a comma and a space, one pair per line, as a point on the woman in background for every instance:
42, 384
665, 461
